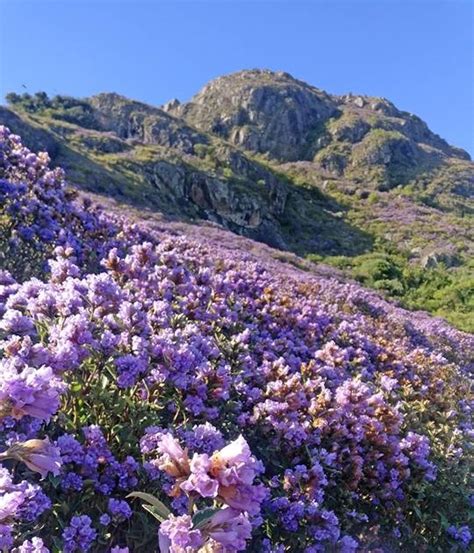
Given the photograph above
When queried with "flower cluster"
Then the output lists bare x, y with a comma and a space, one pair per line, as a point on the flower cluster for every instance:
227, 530
462, 535
39, 213
137, 359
226, 477
19, 501
93, 461
35, 545
227, 473
79, 535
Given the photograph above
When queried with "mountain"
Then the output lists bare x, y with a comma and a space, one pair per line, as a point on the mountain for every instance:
275, 114
350, 180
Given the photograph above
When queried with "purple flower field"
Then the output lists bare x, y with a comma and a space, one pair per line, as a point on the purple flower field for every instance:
164, 393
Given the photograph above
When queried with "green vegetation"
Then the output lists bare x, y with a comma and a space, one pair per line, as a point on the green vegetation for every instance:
65, 108
334, 157
446, 292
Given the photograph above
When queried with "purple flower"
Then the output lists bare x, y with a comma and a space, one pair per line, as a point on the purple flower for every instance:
387, 383
79, 535
347, 545
33, 392
119, 509
199, 481
9, 504
72, 481
236, 455
461, 534
71, 450
417, 448
105, 519
204, 438
22, 500
176, 535
6, 538
230, 528
14, 322
235, 468
173, 460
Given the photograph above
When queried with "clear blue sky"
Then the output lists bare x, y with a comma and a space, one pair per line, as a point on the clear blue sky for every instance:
417, 53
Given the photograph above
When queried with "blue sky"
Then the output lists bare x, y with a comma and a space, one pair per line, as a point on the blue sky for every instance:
417, 53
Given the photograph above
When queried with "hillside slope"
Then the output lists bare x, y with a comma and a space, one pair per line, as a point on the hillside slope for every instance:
266, 408
350, 180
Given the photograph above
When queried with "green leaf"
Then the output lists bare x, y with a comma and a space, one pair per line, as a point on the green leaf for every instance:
159, 507
54, 480
201, 517
444, 520
154, 512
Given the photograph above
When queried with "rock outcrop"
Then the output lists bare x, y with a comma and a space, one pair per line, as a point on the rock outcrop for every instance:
131, 120
262, 111
359, 137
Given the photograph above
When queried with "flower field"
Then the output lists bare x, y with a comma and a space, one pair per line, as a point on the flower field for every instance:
167, 394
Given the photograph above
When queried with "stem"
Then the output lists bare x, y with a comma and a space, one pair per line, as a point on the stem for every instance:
190, 506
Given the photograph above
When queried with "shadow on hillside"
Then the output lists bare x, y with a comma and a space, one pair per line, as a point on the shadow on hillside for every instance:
315, 224
312, 223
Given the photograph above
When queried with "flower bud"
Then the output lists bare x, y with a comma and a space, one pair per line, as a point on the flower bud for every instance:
38, 455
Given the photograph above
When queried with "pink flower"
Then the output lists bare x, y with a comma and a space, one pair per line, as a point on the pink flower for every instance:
200, 463
244, 497
237, 451
235, 468
202, 484
234, 464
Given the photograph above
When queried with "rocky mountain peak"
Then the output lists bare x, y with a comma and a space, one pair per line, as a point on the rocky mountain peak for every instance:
260, 110
171, 105
288, 120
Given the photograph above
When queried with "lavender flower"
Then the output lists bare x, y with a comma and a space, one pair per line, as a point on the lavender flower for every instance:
176, 535
33, 392
229, 528
35, 545
6, 538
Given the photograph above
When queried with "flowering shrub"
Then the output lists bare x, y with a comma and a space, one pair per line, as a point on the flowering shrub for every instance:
246, 408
